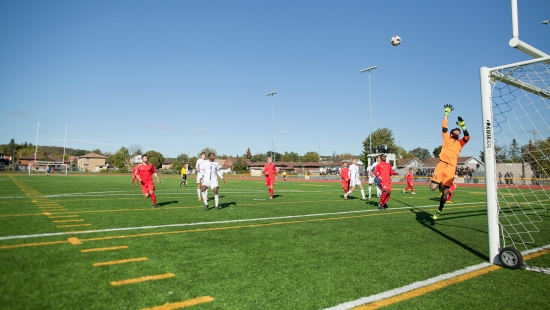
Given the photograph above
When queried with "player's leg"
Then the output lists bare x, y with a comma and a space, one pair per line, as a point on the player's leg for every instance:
412, 189
388, 196
185, 180
446, 184
351, 189
199, 187
204, 191
153, 197
216, 197
362, 191
449, 197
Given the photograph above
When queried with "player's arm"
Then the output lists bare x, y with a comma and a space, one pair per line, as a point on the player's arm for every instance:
462, 125
156, 176
448, 108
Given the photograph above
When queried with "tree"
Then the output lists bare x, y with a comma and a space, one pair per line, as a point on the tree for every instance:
207, 150
291, 157
538, 156
183, 158
248, 155
258, 157
239, 165
310, 157
437, 151
345, 156
177, 165
121, 159
382, 142
97, 151
155, 158
193, 162
421, 153
514, 151
275, 156
482, 156
79, 152
109, 159
135, 149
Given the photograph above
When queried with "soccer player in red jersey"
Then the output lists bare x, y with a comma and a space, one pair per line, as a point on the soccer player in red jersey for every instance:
409, 178
445, 170
145, 173
383, 171
270, 172
344, 174
134, 176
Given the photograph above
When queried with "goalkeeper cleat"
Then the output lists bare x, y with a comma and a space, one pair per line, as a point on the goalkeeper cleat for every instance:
436, 215
450, 201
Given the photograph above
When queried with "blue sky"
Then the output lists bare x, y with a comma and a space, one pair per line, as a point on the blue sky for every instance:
179, 76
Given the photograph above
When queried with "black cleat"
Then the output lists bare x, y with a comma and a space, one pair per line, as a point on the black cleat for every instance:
380, 207
385, 206
154, 206
206, 207
217, 208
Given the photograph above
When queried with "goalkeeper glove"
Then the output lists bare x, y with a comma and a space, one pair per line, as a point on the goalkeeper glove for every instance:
461, 123
448, 109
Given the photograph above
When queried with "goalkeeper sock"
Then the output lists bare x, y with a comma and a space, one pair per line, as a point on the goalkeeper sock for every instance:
441, 203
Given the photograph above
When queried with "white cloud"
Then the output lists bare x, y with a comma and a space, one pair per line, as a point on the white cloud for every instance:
199, 131
24, 114
162, 126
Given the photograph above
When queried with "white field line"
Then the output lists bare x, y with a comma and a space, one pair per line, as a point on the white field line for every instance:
419, 284
213, 223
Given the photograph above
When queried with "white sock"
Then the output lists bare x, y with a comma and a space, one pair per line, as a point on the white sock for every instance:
378, 192
363, 193
204, 195
199, 192
216, 199
370, 188
347, 194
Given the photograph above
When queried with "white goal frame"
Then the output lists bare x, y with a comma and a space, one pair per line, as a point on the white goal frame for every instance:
42, 165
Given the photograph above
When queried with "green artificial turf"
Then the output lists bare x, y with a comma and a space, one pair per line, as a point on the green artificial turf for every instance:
306, 249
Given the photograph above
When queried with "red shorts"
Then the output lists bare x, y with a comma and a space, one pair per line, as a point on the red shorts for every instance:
386, 185
345, 184
269, 181
147, 186
409, 184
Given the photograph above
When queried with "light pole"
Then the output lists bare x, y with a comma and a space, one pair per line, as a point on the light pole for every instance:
369, 69
271, 94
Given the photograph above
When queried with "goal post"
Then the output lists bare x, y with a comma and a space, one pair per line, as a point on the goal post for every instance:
41, 168
515, 102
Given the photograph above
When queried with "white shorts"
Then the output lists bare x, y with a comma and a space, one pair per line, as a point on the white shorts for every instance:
212, 184
198, 178
371, 179
355, 182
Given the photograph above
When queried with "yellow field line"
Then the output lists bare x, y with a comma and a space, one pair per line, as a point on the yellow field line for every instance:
439, 285
121, 261
64, 226
74, 241
104, 249
143, 279
62, 216
182, 304
426, 289
3, 247
66, 221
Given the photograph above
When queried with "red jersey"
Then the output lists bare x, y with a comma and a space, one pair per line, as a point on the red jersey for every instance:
384, 170
145, 172
344, 174
270, 171
134, 171
409, 177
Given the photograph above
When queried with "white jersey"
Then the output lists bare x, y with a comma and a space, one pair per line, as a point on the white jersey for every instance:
370, 170
200, 168
353, 172
211, 171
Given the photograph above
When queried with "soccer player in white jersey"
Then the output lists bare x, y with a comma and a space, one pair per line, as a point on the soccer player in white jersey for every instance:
354, 180
199, 166
372, 178
209, 178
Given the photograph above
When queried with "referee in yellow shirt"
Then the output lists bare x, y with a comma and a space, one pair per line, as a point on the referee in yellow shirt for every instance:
184, 175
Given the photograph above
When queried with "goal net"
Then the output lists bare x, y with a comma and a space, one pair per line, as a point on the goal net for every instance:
516, 118
47, 168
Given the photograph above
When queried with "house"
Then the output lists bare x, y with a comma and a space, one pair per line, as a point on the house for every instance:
5, 159
403, 164
91, 162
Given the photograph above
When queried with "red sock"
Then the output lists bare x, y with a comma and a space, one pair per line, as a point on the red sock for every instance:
154, 198
449, 196
271, 190
387, 199
382, 198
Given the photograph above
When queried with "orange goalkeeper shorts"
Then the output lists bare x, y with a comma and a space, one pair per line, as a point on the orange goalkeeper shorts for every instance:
444, 173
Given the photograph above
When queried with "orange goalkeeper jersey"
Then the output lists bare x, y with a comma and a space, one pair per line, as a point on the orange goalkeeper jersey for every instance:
451, 147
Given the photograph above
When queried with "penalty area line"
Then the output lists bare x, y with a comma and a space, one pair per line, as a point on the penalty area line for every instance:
217, 222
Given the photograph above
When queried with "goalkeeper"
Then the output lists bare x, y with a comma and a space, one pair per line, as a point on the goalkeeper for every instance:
444, 173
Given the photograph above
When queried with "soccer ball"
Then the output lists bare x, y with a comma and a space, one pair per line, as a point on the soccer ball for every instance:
395, 40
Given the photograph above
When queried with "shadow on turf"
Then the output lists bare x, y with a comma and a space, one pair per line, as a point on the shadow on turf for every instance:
425, 219
224, 205
164, 203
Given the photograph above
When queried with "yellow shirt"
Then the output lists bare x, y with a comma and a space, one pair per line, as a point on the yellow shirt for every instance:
183, 171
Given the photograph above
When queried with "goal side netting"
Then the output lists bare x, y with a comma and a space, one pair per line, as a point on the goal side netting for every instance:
516, 118
47, 168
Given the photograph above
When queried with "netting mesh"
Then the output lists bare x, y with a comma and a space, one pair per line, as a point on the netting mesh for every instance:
521, 117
